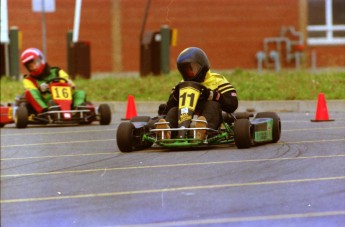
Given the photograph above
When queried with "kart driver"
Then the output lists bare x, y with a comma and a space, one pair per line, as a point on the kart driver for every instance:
194, 65
35, 83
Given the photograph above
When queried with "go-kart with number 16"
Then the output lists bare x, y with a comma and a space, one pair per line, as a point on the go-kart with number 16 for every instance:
60, 110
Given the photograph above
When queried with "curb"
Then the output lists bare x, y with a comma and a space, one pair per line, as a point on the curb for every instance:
251, 106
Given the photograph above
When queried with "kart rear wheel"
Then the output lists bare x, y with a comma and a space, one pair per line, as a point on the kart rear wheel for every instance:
21, 117
124, 136
276, 131
243, 133
105, 114
243, 115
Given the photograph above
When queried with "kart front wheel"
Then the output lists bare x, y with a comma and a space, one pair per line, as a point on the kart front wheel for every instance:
21, 117
105, 114
124, 136
243, 133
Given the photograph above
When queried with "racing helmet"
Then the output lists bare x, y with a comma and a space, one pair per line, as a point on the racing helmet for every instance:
33, 60
193, 64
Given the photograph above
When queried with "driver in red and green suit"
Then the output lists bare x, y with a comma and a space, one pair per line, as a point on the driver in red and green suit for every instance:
35, 83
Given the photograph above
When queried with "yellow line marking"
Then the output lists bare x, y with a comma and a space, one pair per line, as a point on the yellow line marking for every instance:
161, 190
63, 132
309, 129
242, 219
102, 130
56, 143
168, 165
58, 156
106, 140
312, 141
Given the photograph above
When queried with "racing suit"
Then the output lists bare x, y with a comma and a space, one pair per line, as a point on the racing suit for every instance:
39, 99
224, 99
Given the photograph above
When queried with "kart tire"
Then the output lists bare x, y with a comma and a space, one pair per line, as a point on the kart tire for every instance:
276, 131
141, 119
145, 144
243, 133
21, 117
124, 137
243, 115
105, 114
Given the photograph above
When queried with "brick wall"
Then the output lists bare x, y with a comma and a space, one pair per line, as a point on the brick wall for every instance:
94, 27
327, 56
230, 31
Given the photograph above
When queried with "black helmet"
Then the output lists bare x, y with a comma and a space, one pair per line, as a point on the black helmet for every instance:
193, 64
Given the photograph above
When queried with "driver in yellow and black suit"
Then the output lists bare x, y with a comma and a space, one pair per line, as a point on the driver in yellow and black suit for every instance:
193, 65
35, 84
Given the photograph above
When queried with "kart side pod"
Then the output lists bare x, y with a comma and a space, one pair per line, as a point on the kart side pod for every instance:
264, 128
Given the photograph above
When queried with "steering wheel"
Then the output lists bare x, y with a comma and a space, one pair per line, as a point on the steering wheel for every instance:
56, 80
204, 91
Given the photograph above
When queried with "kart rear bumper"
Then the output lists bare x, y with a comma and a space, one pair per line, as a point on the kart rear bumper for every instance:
6, 116
63, 117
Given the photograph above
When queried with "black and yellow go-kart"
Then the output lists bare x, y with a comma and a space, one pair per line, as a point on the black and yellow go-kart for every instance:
60, 111
242, 128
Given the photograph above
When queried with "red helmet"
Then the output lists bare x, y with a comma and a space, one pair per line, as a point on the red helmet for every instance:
33, 60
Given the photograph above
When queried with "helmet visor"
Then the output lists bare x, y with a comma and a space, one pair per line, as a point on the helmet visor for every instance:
35, 67
34, 64
189, 70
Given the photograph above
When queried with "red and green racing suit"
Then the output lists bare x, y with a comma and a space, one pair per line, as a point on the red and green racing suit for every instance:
39, 100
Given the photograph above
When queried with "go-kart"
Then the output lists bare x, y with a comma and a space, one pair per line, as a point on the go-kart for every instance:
60, 109
141, 133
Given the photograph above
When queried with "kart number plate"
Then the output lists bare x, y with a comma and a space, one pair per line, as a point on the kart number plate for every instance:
188, 98
61, 93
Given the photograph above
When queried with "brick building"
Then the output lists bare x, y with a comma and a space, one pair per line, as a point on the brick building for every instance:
231, 32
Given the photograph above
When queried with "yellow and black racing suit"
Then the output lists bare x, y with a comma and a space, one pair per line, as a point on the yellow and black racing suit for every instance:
224, 99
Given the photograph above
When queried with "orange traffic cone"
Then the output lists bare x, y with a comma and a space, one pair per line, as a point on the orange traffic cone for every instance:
131, 109
321, 109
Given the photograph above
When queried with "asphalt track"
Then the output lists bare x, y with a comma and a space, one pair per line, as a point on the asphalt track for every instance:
76, 176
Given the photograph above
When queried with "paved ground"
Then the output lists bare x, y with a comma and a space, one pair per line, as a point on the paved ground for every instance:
76, 176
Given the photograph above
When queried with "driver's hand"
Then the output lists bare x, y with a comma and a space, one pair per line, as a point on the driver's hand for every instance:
44, 87
214, 95
175, 93
70, 83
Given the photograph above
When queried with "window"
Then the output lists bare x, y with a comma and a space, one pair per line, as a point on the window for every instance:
326, 22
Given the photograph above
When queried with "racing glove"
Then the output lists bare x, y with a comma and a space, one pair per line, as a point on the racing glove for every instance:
70, 83
44, 87
175, 93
